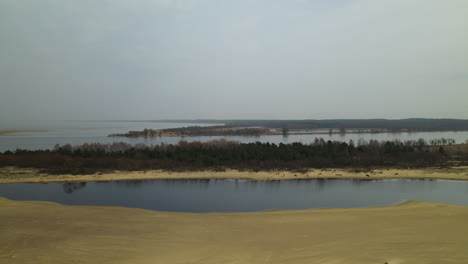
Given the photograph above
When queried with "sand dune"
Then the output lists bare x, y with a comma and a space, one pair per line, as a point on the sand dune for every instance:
413, 232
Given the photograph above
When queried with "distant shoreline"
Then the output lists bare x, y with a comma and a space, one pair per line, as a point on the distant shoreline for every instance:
270, 133
257, 131
32, 175
13, 132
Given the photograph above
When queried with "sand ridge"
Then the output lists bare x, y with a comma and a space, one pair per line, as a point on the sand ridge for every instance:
19, 175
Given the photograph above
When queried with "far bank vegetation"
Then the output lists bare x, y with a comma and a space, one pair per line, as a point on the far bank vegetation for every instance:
298, 127
194, 131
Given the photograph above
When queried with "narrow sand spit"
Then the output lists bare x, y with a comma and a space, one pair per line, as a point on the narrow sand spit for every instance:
17, 131
412, 232
17, 175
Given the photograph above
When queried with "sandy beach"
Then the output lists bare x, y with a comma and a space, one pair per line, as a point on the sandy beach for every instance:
413, 232
19, 175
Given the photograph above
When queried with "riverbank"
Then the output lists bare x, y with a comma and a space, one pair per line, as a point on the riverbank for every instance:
412, 232
31, 175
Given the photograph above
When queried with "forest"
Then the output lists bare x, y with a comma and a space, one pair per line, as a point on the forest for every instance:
222, 154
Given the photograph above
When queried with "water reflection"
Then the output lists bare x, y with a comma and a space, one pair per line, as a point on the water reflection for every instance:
70, 187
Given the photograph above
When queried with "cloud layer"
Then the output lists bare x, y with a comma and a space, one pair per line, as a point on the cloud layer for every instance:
145, 59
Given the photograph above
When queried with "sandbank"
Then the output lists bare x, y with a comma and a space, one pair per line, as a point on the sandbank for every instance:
15, 132
31, 175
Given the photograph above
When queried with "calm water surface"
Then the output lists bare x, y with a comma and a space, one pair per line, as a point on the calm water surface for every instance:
80, 132
241, 195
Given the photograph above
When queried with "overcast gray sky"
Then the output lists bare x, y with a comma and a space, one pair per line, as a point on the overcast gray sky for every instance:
295, 59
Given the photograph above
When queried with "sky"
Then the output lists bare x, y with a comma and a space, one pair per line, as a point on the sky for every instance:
219, 59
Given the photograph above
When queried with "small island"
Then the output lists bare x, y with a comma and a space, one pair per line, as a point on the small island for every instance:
194, 131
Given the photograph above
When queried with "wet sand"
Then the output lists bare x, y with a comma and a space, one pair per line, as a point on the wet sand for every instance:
19, 175
413, 232
15, 132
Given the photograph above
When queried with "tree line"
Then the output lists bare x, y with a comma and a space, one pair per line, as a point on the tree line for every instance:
222, 154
